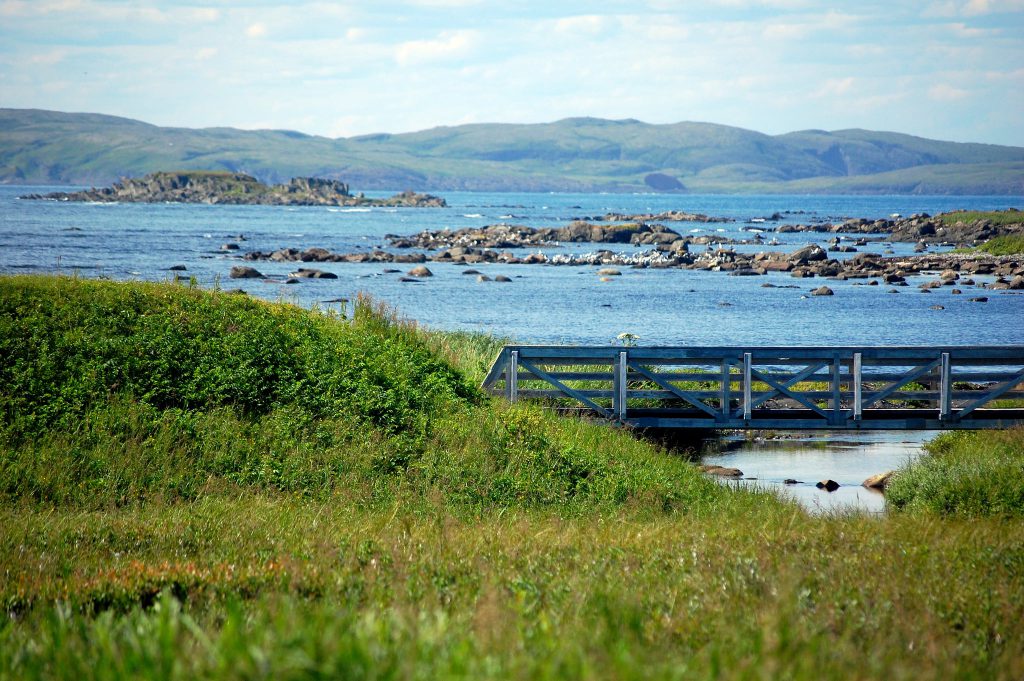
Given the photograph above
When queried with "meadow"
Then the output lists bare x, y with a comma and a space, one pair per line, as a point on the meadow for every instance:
196, 484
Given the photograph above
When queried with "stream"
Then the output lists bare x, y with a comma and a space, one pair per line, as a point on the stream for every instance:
848, 458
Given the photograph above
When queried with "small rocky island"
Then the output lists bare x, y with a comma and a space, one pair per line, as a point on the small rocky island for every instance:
237, 189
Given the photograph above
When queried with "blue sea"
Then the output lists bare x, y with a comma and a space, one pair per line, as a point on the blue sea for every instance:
543, 304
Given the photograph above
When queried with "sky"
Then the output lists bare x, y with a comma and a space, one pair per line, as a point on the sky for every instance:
944, 69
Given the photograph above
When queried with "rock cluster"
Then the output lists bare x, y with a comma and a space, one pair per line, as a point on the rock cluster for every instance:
519, 236
667, 216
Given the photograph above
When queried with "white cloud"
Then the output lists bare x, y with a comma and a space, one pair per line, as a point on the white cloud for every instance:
206, 53
833, 87
591, 24
944, 92
256, 30
205, 14
448, 45
973, 8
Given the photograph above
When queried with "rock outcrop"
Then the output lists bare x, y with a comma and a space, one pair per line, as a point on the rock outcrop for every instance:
923, 229
235, 189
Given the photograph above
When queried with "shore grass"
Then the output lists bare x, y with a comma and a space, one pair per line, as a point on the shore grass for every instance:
996, 217
1007, 244
965, 473
198, 485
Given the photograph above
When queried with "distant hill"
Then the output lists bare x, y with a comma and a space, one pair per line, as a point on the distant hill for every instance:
575, 154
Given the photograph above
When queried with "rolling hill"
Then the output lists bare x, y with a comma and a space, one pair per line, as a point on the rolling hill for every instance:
575, 154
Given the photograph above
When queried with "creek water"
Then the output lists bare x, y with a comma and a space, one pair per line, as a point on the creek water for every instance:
847, 458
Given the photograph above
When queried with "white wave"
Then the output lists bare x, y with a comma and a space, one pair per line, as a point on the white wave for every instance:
472, 215
350, 210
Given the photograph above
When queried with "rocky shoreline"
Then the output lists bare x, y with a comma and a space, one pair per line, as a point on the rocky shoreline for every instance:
808, 262
644, 229
506, 243
236, 189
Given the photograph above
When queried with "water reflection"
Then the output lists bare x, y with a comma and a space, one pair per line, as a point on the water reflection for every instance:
848, 458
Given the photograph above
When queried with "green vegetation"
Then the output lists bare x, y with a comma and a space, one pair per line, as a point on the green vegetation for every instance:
996, 217
968, 474
199, 485
1008, 244
577, 154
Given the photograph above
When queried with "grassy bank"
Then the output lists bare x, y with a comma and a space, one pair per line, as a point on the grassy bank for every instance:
966, 474
198, 485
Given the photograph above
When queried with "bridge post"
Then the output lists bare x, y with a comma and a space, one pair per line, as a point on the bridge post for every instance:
945, 387
620, 373
858, 394
725, 396
512, 376
747, 387
836, 381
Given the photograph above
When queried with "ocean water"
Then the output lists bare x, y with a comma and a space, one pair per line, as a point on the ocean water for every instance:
543, 304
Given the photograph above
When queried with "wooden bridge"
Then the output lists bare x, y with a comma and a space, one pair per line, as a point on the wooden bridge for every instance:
910, 388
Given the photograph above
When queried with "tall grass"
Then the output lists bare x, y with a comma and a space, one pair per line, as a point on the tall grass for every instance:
271, 586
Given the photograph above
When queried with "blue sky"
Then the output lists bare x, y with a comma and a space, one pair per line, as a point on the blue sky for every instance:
946, 69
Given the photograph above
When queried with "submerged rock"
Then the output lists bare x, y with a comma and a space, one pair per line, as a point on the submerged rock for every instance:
828, 485
879, 481
304, 273
243, 272
722, 471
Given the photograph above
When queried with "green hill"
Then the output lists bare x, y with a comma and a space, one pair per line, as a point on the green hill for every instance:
576, 154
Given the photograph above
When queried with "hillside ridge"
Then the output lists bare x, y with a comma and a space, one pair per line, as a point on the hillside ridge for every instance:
571, 154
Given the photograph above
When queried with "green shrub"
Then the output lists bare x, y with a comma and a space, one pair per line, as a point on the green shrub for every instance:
123, 393
965, 473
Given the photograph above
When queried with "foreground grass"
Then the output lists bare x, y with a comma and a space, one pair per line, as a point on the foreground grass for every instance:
274, 587
204, 486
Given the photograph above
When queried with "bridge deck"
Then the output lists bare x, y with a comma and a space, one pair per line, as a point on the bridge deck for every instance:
912, 388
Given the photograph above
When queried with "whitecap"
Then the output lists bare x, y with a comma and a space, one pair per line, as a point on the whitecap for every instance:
472, 215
